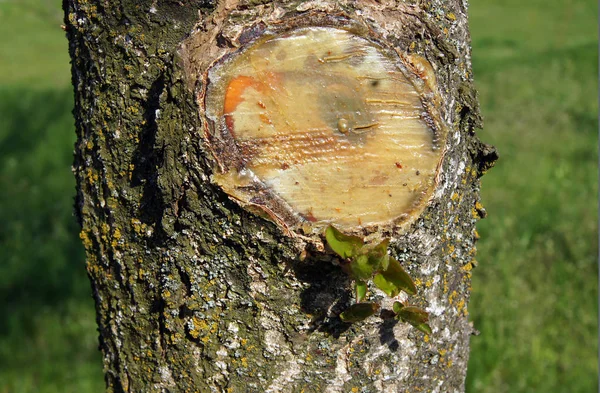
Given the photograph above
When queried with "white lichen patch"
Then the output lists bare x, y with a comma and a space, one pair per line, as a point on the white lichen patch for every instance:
436, 307
166, 376
285, 379
341, 371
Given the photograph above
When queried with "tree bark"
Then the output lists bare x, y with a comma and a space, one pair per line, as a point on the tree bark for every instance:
194, 293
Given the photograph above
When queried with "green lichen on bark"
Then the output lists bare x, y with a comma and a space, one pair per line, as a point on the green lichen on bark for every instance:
194, 294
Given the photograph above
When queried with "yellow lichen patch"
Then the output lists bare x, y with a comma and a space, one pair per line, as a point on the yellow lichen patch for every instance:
460, 305
131, 168
452, 297
105, 230
116, 238
85, 238
321, 126
138, 227
199, 325
91, 176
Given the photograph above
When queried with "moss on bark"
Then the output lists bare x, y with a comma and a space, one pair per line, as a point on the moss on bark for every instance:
194, 294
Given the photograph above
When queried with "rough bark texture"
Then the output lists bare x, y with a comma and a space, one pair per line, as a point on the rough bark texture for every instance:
193, 293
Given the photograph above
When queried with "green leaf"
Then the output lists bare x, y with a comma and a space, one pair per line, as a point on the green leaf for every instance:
398, 277
361, 268
394, 279
378, 256
361, 291
359, 311
397, 307
385, 262
413, 315
344, 245
386, 286
424, 328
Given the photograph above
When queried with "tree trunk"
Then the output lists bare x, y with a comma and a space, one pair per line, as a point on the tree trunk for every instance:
194, 292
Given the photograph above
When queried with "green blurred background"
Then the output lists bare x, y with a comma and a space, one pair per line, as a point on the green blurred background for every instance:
534, 292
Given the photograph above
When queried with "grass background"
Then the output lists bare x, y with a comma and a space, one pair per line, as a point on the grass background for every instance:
534, 293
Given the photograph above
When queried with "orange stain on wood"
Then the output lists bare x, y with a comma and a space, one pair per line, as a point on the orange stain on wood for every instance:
235, 89
233, 96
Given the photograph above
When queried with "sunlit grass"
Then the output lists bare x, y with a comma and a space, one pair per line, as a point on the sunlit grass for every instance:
535, 292
33, 48
48, 338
